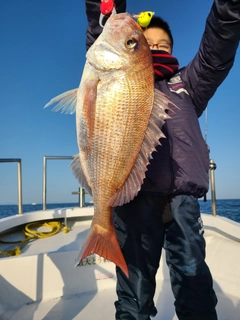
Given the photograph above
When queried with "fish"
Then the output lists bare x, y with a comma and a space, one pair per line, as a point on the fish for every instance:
119, 116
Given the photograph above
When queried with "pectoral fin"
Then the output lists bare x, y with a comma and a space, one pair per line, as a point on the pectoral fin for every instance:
88, 100
66, 102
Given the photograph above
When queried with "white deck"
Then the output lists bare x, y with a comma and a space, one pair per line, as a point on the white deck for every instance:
42, 283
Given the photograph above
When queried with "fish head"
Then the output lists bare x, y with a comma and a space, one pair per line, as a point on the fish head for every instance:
121, 45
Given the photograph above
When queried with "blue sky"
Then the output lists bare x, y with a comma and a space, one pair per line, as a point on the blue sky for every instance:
42, 55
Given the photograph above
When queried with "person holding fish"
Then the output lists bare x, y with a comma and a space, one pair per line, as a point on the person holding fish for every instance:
141, 152
177, 174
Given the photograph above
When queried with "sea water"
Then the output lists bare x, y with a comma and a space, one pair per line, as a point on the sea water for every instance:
229, 208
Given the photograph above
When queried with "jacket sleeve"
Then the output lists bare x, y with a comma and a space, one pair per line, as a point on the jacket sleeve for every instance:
216, 54
93, 14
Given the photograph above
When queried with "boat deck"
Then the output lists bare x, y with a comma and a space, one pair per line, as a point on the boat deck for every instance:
100, 306
42, 282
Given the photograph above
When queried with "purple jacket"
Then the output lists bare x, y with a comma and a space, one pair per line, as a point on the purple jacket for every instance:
180, 165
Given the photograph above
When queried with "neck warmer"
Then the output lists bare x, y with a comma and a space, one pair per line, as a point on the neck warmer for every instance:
164, 64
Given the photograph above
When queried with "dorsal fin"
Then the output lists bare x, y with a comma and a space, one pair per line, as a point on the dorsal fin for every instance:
153, 133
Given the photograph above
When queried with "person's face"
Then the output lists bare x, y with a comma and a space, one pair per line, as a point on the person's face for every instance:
158, 39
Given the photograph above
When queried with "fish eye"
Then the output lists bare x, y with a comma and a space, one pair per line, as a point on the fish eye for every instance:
131, 43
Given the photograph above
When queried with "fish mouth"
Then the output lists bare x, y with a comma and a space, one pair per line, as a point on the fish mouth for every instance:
97, 61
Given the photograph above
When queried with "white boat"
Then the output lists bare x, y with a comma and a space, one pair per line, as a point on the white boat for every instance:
42, 283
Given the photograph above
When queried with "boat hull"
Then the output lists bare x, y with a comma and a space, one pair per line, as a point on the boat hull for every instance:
42, 282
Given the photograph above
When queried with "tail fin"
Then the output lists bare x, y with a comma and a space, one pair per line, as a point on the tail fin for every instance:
104, 243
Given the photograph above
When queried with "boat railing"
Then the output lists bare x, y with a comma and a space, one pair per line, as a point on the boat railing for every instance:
81, 192
81, 196
19, 173
212, 167
44, 191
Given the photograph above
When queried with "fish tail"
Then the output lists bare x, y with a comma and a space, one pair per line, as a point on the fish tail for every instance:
105, 244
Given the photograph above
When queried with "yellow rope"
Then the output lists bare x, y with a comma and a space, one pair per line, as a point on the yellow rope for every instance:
32, 234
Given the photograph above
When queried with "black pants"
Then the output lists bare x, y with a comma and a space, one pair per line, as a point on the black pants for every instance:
142, 235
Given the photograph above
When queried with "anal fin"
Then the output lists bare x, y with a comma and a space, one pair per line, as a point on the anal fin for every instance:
79, 174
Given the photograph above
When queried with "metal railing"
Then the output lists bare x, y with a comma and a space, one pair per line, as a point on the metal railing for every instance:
81, 196
45, 158
212, 167
81, 192
19, 162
